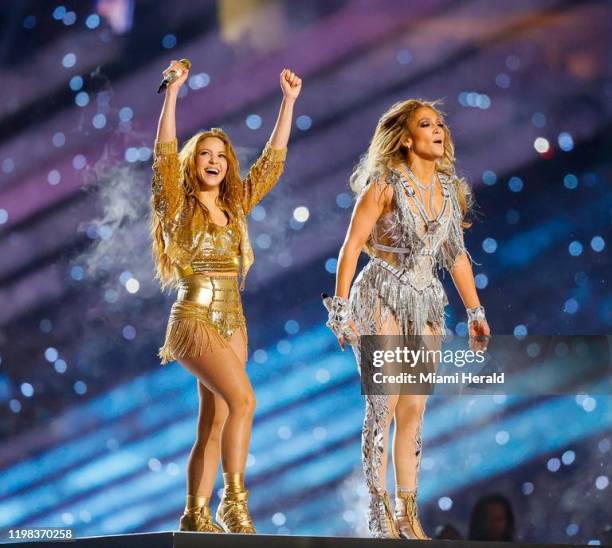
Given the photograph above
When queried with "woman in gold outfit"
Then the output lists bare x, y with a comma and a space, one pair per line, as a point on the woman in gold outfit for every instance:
201, 247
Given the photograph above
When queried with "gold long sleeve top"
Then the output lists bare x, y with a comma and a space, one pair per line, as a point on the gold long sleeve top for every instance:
192, 244
219, 250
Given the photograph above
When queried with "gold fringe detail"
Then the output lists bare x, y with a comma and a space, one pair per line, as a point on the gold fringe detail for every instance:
191, 333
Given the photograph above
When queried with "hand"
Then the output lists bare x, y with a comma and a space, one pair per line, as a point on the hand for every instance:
181, 70
291, 84
341, 338
480, 334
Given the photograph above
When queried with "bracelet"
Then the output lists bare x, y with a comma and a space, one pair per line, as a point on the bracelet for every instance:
339, 314
476, 314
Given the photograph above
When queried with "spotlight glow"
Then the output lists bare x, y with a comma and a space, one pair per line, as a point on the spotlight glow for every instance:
541, 145
301, 214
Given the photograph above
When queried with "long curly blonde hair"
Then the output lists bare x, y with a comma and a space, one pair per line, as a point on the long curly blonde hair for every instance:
230, 194
386, 150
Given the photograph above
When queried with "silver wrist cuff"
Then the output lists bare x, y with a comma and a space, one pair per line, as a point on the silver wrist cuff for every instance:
476, 313
339, 313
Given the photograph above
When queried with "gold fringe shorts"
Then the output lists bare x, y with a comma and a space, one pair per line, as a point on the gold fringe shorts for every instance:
207, 311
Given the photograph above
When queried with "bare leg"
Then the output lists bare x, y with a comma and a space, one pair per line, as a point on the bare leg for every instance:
407, 439
206, 451
222, 372
409, 413
204, 458
408, 426
407, 445
203, 463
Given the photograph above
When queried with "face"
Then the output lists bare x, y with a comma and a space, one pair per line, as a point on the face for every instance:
426, 136
211, 161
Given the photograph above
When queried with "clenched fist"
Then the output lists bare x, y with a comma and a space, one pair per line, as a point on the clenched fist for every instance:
291, 84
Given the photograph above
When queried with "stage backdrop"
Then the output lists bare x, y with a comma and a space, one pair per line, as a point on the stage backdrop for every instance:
94, 434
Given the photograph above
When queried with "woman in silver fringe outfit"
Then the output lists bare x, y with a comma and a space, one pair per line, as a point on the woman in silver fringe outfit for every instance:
409, 218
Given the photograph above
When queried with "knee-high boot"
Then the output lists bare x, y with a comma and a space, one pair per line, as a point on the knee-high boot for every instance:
381, 521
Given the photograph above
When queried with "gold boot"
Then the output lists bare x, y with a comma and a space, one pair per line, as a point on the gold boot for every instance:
197, 516
233, 512
406, 515
395, 533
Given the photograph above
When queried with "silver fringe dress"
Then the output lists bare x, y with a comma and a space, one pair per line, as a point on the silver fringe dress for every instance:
398, 293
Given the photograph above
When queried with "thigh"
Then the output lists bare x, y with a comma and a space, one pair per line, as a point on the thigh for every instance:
411, 406
432, 341
432, 336
238, 344
221, 372
389, 326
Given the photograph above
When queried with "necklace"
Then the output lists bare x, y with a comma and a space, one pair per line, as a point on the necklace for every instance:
422, 189
417, 182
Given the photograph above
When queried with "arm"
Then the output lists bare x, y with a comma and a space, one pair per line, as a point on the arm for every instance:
266, 171
291, 85
456, 259
463, 278
368, 209
167, 194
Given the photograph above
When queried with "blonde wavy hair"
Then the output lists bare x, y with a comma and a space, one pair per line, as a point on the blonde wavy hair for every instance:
228, 199
386, 150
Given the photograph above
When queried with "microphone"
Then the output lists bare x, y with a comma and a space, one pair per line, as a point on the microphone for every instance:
173, 75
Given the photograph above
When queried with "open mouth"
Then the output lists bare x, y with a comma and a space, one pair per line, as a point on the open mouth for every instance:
438, 141
212, 171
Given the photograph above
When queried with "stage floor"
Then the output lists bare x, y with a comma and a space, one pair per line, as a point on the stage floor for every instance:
175, 539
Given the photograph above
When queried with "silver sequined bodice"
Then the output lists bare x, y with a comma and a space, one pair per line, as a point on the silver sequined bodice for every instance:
406, 245
408, 237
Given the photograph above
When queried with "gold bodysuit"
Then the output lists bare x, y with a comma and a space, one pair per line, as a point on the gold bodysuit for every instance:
207, 258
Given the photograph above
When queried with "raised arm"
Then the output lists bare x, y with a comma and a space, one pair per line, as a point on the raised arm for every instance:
167, 194
369, 207
266, 171
291, 85
166, 127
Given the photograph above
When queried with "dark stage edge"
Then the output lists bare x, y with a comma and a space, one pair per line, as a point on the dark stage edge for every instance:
175, 539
